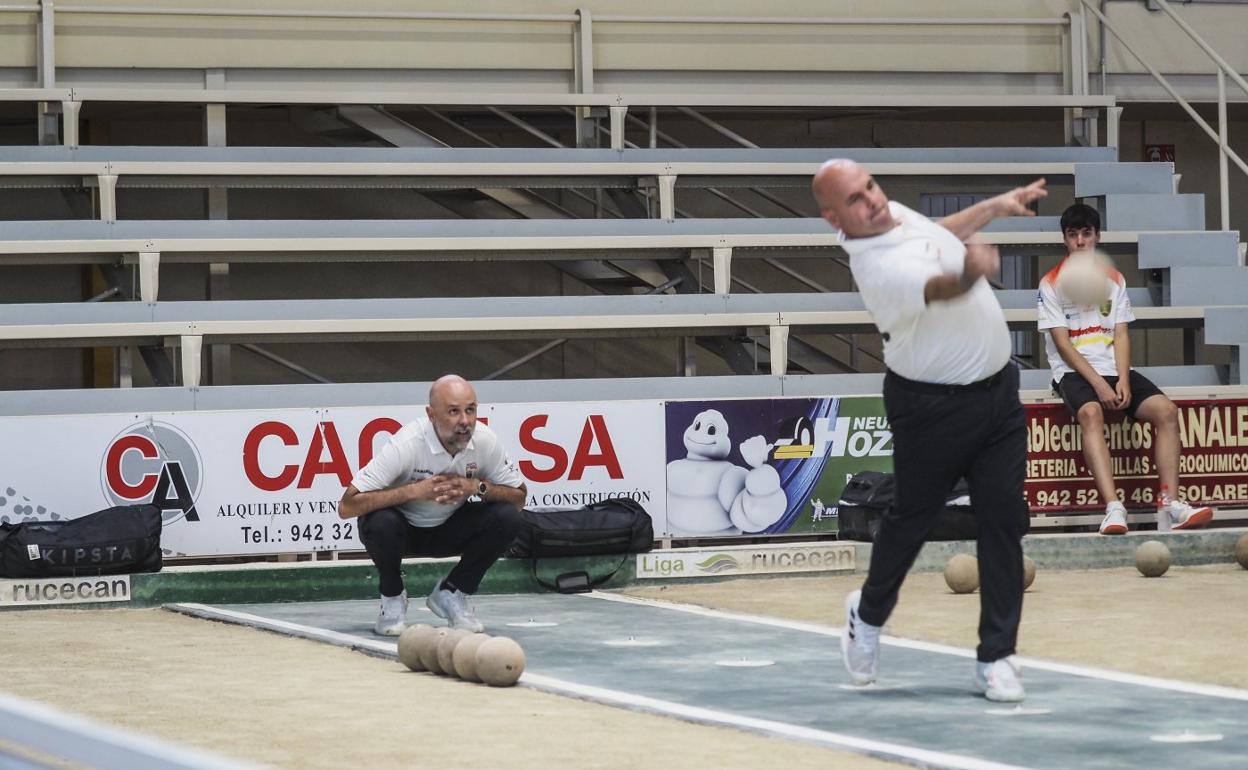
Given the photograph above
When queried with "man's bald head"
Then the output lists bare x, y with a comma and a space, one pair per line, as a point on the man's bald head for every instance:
450, 386
850, 200
452, 410
828, 177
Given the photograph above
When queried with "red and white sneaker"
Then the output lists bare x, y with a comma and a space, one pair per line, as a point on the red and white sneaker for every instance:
1184, 516
1115, 521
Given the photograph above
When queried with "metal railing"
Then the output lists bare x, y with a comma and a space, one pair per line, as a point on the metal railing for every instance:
1069, 28
576, 239
190, 325
1218, 135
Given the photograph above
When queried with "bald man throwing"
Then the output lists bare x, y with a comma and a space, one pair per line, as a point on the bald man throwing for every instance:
951, 396
413, 500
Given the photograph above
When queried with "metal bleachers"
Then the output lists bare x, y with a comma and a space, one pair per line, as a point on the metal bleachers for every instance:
148, 244
1144, 215
662, 170
189, 325
200, 164
71, 101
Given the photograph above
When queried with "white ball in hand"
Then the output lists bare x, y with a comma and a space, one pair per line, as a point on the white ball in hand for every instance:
1085, 277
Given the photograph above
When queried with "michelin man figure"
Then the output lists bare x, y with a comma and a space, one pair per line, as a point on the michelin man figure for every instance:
708, 495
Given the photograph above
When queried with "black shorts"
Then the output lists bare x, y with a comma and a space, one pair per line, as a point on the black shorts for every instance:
1077, 391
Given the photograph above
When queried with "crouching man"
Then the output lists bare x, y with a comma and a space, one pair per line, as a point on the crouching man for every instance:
413, 499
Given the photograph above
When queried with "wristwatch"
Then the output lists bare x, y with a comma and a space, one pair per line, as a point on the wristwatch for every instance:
481, 488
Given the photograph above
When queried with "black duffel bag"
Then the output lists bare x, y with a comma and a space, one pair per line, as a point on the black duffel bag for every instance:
616, 525
113, 541
869, 495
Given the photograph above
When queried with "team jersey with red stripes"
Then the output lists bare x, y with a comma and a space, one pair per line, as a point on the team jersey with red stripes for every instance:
1091, 328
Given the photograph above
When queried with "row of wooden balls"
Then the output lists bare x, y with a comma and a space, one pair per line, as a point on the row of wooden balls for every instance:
1152, 559
494, 660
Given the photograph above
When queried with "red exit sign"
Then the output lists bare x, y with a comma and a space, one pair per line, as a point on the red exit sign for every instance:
1159, 153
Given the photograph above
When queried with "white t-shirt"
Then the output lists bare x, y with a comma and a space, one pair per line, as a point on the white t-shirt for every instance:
1091, 328
957, 341
415, 453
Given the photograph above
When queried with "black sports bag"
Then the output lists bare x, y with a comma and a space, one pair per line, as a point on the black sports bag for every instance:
869, 495
616, 525
113, 541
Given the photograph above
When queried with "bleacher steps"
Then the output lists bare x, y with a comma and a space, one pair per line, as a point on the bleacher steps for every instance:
1097, 179
1198, 249
1130, 211
1193, 286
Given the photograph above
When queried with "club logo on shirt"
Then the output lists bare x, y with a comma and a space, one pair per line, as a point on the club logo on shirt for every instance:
1076, 333
471, 470
1106, 306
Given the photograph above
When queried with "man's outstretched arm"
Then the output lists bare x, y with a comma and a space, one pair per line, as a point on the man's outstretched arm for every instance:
972, 219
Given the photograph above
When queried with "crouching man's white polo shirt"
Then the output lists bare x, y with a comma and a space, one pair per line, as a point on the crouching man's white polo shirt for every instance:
957, 341
415, 453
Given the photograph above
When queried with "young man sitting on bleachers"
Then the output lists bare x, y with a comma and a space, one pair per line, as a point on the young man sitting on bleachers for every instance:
1089, 351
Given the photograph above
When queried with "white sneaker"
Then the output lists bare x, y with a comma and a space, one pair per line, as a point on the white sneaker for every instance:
1000, 680
860, 644
392, 616
1115, 521
1184, 516
452, 606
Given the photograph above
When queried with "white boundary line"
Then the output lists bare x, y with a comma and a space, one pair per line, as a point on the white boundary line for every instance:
1191, 688
29, 724
879, 749
208, 612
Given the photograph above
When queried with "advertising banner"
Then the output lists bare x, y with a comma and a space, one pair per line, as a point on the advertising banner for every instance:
746, 560
226, 482
244, 482
64, 590
269, 481
852, 434
573, 454
1213, 468
771, 466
